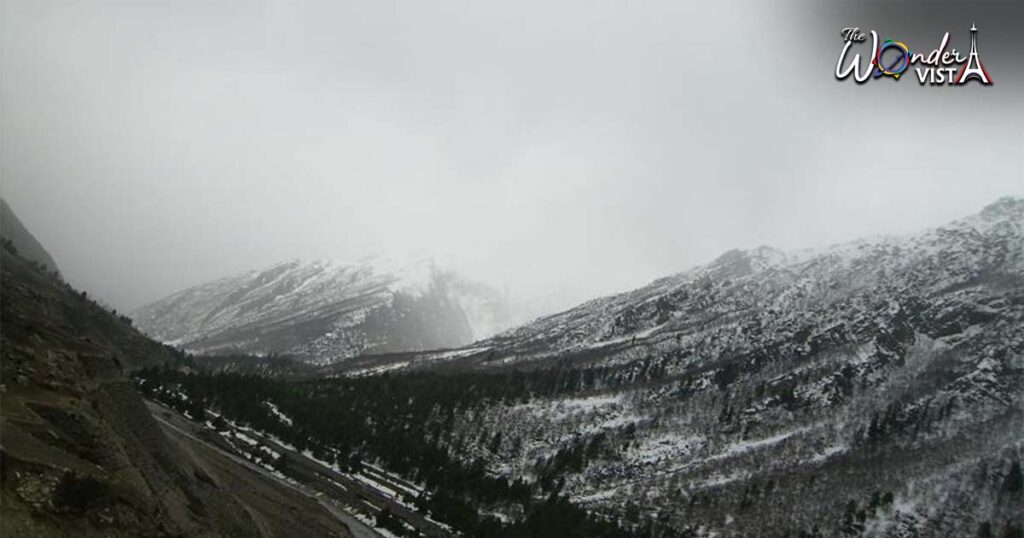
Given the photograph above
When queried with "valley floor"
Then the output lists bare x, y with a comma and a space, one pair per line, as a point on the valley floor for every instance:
355, 498
298, 509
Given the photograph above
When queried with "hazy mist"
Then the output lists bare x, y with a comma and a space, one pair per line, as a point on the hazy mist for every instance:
561, 149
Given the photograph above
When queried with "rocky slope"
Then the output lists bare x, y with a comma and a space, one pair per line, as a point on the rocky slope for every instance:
322, 312
869, 387
24, 242
81, 454
982, 250
866, 388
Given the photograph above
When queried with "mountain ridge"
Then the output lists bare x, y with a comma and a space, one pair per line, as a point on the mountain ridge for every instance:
736, 262
323, 311
765, 369
12, 229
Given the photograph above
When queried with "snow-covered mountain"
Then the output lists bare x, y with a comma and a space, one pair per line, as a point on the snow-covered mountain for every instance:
869, 388
866, 389
775, 285
323, 311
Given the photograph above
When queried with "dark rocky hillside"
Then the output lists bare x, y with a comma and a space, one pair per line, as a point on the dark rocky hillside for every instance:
82, 456
11, 229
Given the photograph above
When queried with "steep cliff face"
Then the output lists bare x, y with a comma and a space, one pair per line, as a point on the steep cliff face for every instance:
323, 312
82, 456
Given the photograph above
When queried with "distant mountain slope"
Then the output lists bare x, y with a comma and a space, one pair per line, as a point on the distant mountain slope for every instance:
12, 229
81, 454
870, 388
981, 250
322, 312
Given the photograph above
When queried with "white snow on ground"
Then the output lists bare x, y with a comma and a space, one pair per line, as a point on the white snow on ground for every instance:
372, 523
561, 409
332, 466
270, 451
377, 369
603, 495
444, 526
457, 353
887, 522
248, 440
277, 413
583, 405
719, 480
386, 491
828, 453
367, 480
336, 483
744, 446
610, 423
638, 335
284, 444
393, 479
670, 445
504, 518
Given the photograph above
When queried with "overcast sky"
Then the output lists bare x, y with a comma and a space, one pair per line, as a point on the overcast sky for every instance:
561, 149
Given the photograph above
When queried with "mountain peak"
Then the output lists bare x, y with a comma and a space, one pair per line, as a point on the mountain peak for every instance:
1005, 207
739, 262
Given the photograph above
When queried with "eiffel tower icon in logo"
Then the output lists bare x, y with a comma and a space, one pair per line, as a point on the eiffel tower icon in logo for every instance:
973, 68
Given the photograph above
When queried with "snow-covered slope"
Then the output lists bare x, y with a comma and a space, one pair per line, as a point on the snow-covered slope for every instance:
773, 285
870, 388
324, 311
865, 389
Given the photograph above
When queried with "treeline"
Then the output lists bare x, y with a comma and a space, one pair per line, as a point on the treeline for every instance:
405, 423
